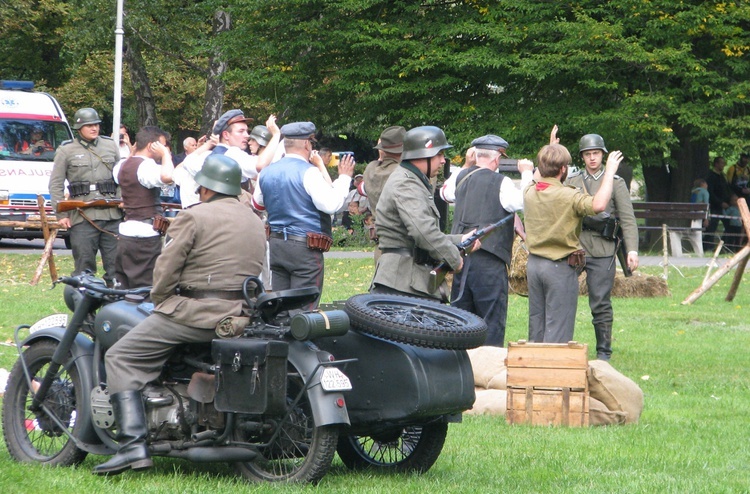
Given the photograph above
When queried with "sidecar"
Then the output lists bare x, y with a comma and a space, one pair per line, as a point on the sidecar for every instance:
403, 395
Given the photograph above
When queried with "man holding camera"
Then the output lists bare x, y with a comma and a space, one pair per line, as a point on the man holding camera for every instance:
599, 238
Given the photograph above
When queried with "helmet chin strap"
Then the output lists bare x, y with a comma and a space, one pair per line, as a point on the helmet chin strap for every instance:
429, 167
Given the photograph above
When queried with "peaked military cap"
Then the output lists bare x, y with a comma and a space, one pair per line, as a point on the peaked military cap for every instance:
229, 118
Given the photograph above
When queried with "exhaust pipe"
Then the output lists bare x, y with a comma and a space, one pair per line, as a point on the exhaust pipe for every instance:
207, 455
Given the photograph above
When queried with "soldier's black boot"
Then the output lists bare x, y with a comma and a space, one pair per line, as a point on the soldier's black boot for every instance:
603, 341
130, 418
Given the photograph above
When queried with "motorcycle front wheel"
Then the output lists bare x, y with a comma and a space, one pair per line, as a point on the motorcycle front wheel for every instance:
410, 449
301, 452
416, 321
35, 437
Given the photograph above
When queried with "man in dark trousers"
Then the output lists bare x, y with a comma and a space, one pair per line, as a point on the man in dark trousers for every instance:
484, 197
209, 251
141, 178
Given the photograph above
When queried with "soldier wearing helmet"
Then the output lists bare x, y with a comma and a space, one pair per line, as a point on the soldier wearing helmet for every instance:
408, 221
190, 300
86, 163
599, 242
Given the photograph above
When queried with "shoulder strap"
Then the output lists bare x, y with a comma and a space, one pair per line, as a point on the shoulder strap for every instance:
467, 176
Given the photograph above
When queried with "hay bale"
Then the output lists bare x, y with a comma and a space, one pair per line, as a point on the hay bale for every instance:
637, 286
517, 269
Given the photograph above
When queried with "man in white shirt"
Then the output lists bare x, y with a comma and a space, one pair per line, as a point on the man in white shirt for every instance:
141, 178
299, 197
230, 137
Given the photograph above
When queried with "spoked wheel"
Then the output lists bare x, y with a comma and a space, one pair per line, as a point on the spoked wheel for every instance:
301, 452
35, 437
416, 321
410, 449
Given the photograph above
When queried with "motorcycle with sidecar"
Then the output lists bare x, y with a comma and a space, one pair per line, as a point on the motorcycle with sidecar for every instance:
377, 381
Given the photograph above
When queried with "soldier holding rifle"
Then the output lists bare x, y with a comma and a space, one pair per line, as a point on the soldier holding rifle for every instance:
408, 221
86, 163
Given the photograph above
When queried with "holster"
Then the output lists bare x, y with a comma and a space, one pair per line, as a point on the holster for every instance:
577, 260
318, 241
603, 224
160, 224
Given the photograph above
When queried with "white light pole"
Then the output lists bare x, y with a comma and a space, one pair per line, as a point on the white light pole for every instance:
119, 32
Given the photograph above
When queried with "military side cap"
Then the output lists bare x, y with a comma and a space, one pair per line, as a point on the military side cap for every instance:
229, 118
392, 140
490, 141
298, 130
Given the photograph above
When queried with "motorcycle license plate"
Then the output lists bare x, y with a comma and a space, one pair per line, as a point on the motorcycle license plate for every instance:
335, 380
53, 321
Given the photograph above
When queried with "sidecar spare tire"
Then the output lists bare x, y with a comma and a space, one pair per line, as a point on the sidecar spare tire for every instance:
416, 321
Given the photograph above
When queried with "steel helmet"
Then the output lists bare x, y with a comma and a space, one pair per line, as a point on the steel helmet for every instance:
221, 174
261, 134
424, 142
591, 141
85, 116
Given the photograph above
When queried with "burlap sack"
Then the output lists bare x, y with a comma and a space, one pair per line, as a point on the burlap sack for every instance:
617, 392
599, 414
500, 380
487, 362
489, 402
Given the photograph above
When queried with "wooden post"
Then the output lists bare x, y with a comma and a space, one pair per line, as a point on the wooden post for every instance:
739, 259
713, 262
49, 239
665, 250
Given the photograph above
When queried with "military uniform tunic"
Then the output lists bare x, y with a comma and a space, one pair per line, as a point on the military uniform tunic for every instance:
212, 246
83, 161
407, 218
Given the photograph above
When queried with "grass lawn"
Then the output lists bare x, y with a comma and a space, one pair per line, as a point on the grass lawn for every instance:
692, 362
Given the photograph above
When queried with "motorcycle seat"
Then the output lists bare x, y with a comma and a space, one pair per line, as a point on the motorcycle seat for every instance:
271, 304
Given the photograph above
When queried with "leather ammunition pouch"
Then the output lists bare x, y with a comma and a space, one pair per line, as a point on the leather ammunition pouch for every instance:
160, 224
577, 260
77, 189
319, 241
106, 187
606, 226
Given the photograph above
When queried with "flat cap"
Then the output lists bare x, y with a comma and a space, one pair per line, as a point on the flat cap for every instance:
229, 118
298, 130
392, 140
491, 141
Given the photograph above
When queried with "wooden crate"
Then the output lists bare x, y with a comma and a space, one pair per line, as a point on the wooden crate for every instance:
547, 384
539, 406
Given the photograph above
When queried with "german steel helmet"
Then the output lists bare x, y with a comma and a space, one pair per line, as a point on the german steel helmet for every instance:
424, 142
85, 116
261, 134
221, 174
591, 141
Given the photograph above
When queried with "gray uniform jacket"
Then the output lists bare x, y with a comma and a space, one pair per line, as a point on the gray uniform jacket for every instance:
619, 206
78, 161
406, 218
211, 246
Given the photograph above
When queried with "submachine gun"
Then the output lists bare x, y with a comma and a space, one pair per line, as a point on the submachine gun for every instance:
437, 275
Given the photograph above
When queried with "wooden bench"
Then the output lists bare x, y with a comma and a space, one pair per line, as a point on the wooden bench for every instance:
673, 214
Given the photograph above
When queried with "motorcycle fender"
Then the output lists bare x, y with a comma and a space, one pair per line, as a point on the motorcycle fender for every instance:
82, 351
327, 407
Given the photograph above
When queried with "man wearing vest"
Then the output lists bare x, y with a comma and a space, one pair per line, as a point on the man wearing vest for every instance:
141, 178
299, 198
484, 197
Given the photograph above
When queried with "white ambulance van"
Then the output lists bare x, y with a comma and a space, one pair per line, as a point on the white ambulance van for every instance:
32, 126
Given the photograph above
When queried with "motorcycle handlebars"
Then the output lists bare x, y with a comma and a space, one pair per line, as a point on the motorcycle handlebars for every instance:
94, 284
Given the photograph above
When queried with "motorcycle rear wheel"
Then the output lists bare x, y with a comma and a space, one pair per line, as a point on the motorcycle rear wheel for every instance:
34, 437
411, 449
302, 452
416, 321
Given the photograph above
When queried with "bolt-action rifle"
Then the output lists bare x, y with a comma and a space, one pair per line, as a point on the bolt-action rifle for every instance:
70, 205
622, 254
437, 275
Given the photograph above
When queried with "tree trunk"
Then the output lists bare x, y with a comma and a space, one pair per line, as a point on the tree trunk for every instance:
216, 67
144, 98
691, 160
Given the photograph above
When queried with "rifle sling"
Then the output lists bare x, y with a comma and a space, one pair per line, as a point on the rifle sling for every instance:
80, 211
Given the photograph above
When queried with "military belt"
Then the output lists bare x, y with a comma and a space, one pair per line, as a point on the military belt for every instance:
221, 294
283, 236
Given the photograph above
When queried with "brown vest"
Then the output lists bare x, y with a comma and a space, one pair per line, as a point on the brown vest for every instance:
140, 203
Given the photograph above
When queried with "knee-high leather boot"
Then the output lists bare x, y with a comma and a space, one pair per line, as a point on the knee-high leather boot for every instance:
603, 341
130, 418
